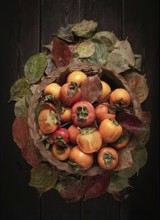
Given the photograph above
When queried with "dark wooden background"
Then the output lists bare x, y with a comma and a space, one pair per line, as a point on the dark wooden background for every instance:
25, 26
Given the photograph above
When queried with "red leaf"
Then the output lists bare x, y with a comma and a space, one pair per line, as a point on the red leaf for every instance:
20, 131
31, 154
61, 53
91, 89
129, 121
70, 189
95, 186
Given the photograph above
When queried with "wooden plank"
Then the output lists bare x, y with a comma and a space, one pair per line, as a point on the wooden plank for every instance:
54, 15
140, 25
106, 12
108, 15
19, 32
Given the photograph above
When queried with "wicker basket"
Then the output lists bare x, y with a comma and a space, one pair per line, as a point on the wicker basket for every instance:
59, 75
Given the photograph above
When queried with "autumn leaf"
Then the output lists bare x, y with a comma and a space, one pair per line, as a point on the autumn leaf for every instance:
84, 29
69, 188
18, 89
138, 84
61, 53
95, 186
35, 67
43, 177
91, 89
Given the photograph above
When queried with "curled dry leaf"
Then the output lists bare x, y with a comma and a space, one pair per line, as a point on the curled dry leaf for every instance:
61, 53
95, 186
91, 89
138, 84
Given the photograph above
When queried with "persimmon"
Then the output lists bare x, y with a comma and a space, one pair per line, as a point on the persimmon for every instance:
61, 153
48, 121
110, 130
83, 114
66, 115
80, 159
107, 158
120, 96
106, 90
52, 89
102, 112
69, 94
77, 77
61, 136
73, 132
89, 140
122, 140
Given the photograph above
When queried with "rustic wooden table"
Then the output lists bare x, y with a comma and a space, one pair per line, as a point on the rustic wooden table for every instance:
25, 27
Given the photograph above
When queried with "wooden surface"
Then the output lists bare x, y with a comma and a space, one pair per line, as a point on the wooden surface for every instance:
25, 27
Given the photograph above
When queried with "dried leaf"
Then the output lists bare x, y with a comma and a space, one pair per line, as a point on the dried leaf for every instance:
84, 28
138, 84
35, 67
117, 184
130, 121
108, 38
86, 49
20, 108
20, 131
18, 89
31, 154
61, 53
124, 48
91, 89
101, 53
50, 66
43, 177
69, 188
126, 172
65, 33
117, 63
139, 158
95, 186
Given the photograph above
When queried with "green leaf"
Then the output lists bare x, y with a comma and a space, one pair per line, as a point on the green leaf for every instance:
139, 157
108, 38
124, 48
101, 53
84, 28
43, 177
117, 63
21, 107
35, 67
117, 183
65, 33
126, 173
86, 49
18, 89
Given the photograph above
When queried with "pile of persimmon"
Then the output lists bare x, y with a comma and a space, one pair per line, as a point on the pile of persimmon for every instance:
79, 132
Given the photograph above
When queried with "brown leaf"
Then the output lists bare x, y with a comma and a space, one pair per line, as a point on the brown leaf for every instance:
95, 186
20, 131
61, 53
31, 154
91, 89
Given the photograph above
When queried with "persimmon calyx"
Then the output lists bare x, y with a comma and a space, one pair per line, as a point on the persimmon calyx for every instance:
82, 113
108, 158
72, 89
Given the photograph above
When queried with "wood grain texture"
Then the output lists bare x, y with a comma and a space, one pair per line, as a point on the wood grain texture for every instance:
140, 26
19, 33
25, 27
